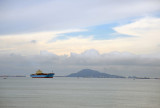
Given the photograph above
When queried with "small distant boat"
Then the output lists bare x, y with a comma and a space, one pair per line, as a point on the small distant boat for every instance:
40, 74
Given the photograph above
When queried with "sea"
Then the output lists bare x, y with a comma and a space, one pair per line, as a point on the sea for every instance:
65, 92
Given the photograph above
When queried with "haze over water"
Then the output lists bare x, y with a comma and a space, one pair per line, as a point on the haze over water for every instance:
79, 93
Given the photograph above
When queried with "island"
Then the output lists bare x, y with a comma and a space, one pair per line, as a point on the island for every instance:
88, 73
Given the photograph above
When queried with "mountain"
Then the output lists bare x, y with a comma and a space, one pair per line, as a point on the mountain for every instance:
93, 74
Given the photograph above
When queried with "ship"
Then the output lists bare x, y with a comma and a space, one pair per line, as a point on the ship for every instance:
40, 74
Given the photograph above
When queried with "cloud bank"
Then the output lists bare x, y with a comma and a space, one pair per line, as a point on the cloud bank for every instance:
117, 63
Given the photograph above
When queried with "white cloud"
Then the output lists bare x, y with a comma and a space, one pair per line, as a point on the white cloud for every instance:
23, 43
146, 33
145, 39
142, 28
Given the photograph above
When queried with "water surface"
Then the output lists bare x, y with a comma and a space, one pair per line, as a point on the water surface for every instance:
79, 93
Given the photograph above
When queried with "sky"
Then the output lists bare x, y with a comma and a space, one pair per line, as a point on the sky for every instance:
120, 37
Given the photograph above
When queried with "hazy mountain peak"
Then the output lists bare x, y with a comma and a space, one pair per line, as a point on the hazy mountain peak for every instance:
93, 74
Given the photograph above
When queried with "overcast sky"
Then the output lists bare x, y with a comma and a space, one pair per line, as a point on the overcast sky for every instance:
119, 37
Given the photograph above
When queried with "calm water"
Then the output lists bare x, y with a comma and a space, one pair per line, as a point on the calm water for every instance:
79, 93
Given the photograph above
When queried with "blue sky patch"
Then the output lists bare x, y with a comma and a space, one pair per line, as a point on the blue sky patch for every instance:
100, 32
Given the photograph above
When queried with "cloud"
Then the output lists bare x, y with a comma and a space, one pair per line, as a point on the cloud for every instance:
141, 27
30, 34
146, 33
23, 43
33, 41
143, 38
124, 63
35, 16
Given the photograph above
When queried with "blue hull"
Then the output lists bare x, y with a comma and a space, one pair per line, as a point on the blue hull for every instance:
43, 76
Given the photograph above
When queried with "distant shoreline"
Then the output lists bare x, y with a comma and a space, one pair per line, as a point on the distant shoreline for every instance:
12, 76
4, 76
106, 77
